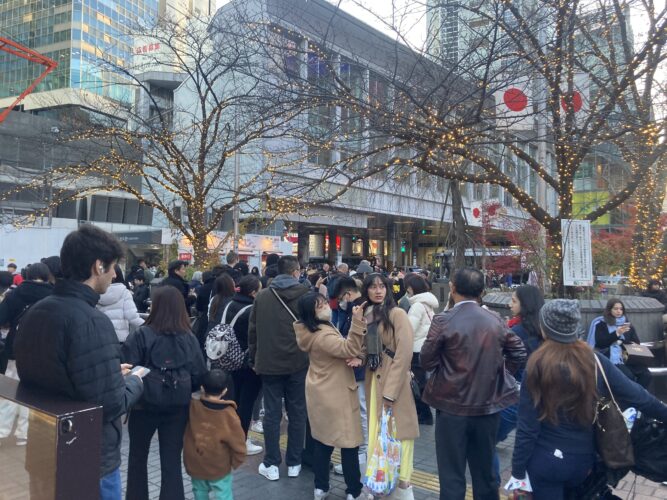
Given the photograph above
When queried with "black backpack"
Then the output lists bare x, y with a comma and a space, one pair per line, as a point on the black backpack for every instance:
169, 382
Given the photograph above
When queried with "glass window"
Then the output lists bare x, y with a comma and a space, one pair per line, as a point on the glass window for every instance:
100, 205
131, 214
145, 215
116, 209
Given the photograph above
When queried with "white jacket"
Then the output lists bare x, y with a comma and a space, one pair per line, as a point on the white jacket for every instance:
118, 305
422, 309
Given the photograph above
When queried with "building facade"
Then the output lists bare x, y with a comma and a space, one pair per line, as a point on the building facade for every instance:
90, 40
400, 216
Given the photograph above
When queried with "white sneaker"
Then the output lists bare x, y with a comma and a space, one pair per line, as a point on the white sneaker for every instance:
271, 472
293, 470
320, 495
338, 469
251, 448
362, 496
257, 426
21, 442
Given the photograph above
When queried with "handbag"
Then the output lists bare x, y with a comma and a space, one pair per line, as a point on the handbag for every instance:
637, 354
612, 437
649, 439
381, 477
414, 385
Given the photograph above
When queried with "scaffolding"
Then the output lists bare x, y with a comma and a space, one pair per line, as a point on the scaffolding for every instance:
23, 52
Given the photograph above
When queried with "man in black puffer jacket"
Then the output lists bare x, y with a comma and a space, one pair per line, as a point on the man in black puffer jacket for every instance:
34, 288
176, 278
66, 346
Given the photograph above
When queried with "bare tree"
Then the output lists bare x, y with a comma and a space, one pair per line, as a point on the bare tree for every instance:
434, 111
198, 156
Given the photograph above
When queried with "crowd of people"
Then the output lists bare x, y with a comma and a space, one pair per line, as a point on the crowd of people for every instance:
329, 350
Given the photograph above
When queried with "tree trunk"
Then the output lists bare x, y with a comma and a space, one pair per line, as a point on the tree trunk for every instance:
459, 226
555, 259
201, 254
647, 242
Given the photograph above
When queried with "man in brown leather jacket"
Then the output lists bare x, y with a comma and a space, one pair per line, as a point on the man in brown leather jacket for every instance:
470, 351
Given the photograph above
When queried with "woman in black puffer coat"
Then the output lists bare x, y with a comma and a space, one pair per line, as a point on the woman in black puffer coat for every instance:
247, 383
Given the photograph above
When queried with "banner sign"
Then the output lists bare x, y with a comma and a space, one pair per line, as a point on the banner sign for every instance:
577, 254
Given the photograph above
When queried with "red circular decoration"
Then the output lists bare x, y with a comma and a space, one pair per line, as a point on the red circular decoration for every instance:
515, 99
476, 213
491, 210
577, 101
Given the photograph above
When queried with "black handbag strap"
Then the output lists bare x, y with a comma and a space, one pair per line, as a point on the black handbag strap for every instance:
284, 305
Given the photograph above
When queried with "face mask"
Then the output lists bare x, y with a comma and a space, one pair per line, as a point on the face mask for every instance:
323, 314
343, 305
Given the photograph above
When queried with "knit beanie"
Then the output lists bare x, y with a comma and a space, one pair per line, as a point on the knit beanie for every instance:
559, 319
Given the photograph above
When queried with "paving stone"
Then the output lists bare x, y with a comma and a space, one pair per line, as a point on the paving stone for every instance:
248, 485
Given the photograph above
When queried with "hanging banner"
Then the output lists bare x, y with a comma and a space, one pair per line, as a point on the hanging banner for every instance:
577, 254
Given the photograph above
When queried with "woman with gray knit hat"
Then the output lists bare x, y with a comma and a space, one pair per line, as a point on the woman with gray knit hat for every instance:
554, 447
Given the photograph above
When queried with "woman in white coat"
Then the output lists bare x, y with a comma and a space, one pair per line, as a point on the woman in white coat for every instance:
422, 308
117, 303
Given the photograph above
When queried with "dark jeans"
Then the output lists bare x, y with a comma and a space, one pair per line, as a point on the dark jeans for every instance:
466, 439
308, 454
424, 414
508, 419
258, 404
170, 426
550, 475
349, 458
247, 385
636, 373
293, 388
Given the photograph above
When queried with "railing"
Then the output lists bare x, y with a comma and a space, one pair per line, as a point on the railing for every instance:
53, 451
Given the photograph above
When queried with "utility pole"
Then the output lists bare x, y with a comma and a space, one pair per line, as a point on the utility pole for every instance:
235, 213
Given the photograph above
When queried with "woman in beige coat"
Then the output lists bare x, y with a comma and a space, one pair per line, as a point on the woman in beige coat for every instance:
331, 390
389, 342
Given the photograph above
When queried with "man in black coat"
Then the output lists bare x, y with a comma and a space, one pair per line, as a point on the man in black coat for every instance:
66, 346
176, 278
142, 292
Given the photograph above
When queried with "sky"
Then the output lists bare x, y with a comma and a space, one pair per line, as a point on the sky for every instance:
412, 18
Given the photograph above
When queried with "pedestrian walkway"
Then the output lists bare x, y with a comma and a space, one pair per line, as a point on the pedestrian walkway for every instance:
248, 485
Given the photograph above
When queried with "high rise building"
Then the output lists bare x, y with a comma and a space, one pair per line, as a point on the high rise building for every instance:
89, 39
463, 34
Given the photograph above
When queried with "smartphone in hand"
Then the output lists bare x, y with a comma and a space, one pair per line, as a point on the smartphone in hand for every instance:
140, 371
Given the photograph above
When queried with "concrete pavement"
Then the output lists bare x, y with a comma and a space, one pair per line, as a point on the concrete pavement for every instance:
249, 485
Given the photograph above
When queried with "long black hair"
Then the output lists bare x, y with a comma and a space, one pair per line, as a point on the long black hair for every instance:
224, 289
531, 301
168, 314
381, 311
608, 316
307, 305
119, 278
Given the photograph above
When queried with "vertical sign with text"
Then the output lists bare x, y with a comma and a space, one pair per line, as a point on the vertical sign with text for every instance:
577, 254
